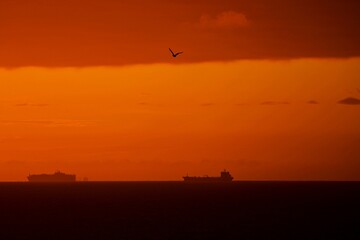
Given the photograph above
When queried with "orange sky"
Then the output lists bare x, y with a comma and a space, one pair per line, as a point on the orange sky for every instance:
89, 87
158, 122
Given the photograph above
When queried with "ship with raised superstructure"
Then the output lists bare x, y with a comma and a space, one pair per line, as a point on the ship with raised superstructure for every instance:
55, 177
225, 176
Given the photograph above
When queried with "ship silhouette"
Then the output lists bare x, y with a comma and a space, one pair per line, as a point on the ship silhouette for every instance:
56, 177
225, 176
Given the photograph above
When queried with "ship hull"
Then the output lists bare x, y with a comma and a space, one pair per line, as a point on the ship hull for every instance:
225, 176
51, 178
206, 179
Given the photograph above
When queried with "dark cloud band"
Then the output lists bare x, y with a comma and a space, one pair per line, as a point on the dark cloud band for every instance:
114, 33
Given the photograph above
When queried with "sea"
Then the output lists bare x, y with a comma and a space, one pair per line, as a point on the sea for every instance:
180, 210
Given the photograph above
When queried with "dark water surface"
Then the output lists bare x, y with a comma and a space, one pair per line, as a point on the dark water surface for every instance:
178, 210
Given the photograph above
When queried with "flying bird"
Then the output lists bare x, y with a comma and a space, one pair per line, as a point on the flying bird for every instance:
175, 54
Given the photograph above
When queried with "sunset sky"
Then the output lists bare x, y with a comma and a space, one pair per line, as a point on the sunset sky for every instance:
267, 89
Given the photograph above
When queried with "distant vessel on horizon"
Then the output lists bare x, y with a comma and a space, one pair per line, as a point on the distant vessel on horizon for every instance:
56, 177
225, 176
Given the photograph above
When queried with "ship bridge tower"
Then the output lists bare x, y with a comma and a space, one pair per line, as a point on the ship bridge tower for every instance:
226, 175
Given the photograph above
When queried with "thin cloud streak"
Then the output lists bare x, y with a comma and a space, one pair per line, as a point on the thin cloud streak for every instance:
271, 103
349, 101
53, 123
227, 19
31, 105
207, 104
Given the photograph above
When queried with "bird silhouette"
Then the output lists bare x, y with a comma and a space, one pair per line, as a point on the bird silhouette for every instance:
175, 54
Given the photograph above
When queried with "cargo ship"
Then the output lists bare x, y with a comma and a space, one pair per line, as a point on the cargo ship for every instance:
225, 176
56, 177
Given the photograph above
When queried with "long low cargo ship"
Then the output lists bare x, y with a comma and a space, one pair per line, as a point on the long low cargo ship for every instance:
56, 177
225, 176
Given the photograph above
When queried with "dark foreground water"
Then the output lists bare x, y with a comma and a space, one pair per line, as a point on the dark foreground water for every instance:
177, 210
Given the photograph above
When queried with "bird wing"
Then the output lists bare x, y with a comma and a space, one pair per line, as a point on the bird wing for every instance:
178, 53
171, 51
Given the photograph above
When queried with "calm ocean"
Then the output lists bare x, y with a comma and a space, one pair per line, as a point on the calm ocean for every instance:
178, 210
